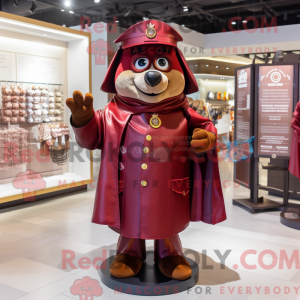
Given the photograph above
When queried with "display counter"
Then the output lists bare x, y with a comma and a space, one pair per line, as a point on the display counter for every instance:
41, 65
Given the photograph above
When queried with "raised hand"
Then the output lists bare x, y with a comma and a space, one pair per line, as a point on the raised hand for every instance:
202, 140
81, 108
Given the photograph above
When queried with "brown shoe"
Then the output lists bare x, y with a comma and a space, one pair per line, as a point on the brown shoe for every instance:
124, 266
176, 267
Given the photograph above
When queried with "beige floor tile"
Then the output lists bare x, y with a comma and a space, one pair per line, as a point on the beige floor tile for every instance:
23, 229
65, 216
52, 290
43, 221
9, 293
27, 275
8, 238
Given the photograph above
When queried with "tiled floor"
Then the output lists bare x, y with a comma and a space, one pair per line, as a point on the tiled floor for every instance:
34, 238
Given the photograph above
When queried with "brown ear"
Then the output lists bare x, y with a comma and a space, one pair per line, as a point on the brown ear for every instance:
108, 84
191, 85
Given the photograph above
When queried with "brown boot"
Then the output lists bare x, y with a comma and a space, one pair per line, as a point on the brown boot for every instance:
124, 266
176, 267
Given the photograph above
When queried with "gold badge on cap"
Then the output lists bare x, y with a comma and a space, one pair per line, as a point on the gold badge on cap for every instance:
151, 32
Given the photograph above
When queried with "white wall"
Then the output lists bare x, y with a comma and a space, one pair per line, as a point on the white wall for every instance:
230, 43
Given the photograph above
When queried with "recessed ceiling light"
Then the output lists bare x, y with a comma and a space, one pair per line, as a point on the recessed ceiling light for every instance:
221, 78
227, 68
183, 25
233, 23
196, 65
71, 12
245, 21
96, 1
64, 25
62, 10
207, 65
217, 67
67, 3
185, 8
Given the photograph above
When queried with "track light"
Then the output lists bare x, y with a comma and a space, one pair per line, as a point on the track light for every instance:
33, 7
16, 3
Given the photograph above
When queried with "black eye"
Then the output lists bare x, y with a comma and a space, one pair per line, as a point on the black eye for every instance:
141, 63
162, 63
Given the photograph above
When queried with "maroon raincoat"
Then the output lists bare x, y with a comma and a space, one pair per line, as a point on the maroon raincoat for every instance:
202, 196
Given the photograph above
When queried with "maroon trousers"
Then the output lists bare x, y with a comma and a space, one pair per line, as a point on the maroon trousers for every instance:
137, 247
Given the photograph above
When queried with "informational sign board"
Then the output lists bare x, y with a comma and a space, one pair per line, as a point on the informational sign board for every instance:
274, 109
243, 120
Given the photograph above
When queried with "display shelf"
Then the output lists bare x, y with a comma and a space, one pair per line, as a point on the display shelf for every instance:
54, 61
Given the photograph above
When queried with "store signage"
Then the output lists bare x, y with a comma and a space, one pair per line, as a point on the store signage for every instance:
275, 109
243, 104
243, 123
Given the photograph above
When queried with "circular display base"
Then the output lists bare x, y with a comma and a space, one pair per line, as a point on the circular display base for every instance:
149, 281
290, 219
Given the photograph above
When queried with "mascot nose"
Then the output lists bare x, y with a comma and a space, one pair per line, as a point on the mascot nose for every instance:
153, 78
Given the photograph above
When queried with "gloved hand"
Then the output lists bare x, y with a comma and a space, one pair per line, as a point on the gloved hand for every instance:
202, 140
81, 108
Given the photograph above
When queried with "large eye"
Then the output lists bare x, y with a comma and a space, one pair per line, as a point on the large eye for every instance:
162, 64
141, 63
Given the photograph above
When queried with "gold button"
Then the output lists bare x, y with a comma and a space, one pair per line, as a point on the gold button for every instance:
144, 183
144, 166
183, 192
148, 138
146, 150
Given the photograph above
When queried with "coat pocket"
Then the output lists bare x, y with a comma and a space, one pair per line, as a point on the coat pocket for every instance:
180, 204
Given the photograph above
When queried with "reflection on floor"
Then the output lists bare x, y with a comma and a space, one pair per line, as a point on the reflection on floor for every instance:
33, 238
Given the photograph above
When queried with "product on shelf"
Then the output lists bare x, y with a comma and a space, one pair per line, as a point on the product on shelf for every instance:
51, 141
13, 146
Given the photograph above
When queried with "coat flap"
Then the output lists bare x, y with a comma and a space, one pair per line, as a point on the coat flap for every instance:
181, 186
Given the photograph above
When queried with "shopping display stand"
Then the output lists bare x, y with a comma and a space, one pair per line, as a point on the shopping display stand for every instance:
149, 281
255, 203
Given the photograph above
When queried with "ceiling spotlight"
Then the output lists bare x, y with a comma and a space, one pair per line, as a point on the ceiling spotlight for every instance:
233, 23
217, 67
117, 21
196, 65
16, 3
96, 1
245, 21
64, 25
221, 78
227, 68
185, 8
33, 7
207, 66
67, 3
71, 11
62, 10
145, 19
183, 25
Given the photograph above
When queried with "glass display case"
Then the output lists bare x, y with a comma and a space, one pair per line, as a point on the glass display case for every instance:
41, 65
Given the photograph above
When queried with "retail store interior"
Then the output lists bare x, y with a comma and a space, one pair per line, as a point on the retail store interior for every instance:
56, 223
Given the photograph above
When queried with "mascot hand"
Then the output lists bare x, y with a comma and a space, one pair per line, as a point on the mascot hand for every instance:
202, 140
81, 108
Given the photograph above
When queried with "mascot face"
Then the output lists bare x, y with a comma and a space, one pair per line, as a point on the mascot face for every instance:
150, 73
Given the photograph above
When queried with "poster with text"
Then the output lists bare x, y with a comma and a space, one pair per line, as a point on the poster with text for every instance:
275, 110
243, 121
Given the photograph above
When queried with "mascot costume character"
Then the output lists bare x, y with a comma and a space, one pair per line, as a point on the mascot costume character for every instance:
159, 167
